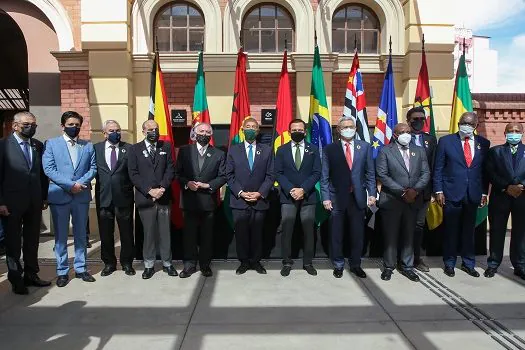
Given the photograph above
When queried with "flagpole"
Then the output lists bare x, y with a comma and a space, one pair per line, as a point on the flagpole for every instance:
390, 47
355, 43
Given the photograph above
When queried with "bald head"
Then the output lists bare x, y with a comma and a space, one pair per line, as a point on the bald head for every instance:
150, 129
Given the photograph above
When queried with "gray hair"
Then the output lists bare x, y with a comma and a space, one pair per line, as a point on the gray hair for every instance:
346, 118
18, 116
109, 121
193, 130
469, 114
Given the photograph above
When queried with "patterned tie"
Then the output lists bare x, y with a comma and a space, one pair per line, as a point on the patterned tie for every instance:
152, 152
113, 157
348, 155
25, 145
467, 152
250, 156
297, 156
73, 153
513, 149
406, 158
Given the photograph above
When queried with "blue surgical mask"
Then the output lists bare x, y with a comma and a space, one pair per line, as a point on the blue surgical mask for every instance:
348, 133
466, 129
513, 138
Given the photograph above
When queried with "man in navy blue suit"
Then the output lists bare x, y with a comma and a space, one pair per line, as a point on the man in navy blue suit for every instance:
249, 170
506, 172
297, 170
460, 187
348, 173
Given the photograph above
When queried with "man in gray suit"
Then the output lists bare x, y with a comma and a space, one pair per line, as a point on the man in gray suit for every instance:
404, 174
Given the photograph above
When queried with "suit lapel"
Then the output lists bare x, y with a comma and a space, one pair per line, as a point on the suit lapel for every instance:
80, 152
458, 144
399, 156
519, 155
307, 151
357, 154
507, 155
100, 151
19, 151
256, 156
194, 157
158, 150
207, 157
414, 159
121, 154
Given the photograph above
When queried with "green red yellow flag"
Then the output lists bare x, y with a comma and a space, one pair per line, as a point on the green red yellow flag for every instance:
200, 113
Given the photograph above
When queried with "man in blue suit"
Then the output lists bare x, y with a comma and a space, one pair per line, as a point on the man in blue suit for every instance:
460, 188
297, 170
249, 170
70, 165
348, 173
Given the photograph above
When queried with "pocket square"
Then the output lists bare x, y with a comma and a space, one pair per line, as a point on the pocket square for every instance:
162, 153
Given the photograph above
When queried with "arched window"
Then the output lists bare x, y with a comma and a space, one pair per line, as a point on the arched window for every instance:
179, 27
265, 28
355, 24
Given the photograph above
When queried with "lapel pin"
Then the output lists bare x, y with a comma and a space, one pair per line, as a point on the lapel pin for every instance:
413, 154
358, 147
123, 150
479, 147
162, 153
258, 152
306, 150
145, 153
208, 155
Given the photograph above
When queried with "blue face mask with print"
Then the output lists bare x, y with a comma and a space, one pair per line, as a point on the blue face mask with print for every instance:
513, 138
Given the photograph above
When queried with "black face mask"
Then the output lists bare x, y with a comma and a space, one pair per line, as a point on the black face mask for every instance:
152, 136
297, 136
203, 140
28, 131
417, 124
72, 131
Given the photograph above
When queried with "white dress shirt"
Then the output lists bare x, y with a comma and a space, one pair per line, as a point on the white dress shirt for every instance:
301, 149
72, 149
471, 143
202, 149
21, 144
148, 145
107, 152
343, 144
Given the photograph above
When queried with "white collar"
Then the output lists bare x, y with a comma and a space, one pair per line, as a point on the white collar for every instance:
247, 144
67, 138
148, 144
200, 148
19, 140
301, 144
109, 144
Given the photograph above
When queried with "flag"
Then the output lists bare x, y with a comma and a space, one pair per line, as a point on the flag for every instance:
387, 112
355, 101
284, 107
240, 112
201, 113
319, 130
158, 111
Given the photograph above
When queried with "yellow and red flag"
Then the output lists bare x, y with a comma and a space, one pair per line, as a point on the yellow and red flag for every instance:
284, 107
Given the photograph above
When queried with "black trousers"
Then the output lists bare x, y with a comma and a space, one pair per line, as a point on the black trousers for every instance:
501, 205
248, 224
419, 231
106, 223
22, 233
198, 238
307, 216
398, 225
459, 220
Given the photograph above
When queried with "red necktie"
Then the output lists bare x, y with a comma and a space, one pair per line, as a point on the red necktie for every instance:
467, 151
348, 155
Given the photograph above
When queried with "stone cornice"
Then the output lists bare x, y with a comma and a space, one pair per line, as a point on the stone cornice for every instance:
71, 60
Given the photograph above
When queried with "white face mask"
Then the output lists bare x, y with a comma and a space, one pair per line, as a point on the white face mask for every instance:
466, 129
404, 139
348, 133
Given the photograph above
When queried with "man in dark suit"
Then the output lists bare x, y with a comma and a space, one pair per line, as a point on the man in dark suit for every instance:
460, 187
297, 170
114, 199
402, 169
506, 172
23, 194
249, 170
200, 169
151, 170
348, 185
416, 120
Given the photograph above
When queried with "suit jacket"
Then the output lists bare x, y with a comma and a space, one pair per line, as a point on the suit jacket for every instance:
500, 170
213, 172
336, 178
451, 174
20, 184
64, 174
395, 177
306, 177
113, 187
429, 143
146, 175
241, 178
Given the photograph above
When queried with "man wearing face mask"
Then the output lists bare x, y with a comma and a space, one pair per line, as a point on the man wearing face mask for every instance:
151, 169
70, 164
416, 120
200, 170
249, 170
348, 174
402, 169
114, 199
297, 170
506, 172
23, 194
460, 187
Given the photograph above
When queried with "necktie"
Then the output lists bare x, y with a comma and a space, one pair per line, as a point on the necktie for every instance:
250, 156
467, 151
417, 140
513, 149
297, 156
152, 152
406, 158
25, 145
113, 158
348, 155
73, 153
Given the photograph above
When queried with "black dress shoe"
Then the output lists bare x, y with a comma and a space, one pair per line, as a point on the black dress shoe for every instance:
449, 271
338, 273
358, 271
108, 270
85, 276
128, 270
88, 243
62, 281
386, 275
20, 288
187, 272
421, 266
520, 273
490, 272
411, 275
259, 268
206, 271
35, 281
470, 271
242, 269
285, 270
310, 269
170, 270
148, 273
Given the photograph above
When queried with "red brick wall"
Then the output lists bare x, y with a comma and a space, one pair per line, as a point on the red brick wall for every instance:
262, 90
73, 10
179, 91
373, 83
74, 96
